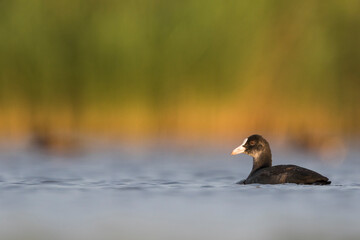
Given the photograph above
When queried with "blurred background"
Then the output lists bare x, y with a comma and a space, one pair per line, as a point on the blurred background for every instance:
189, 69
117, 118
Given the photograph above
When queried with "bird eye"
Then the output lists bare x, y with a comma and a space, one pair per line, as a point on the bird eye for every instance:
252, 143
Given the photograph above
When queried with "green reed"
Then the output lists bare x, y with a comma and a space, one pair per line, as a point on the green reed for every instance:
159, 54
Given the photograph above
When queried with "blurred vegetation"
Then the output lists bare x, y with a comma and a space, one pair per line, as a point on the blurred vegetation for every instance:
186, 68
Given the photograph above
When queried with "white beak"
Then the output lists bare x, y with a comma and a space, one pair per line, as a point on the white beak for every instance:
238, 150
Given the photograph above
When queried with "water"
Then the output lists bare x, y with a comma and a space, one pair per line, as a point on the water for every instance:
154, 193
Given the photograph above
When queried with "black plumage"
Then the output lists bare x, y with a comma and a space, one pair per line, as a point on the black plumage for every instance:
264, 173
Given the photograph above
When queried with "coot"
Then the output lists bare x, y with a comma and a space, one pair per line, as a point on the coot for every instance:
264, 173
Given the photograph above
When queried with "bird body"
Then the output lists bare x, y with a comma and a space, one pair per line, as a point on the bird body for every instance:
264, 173
286, 174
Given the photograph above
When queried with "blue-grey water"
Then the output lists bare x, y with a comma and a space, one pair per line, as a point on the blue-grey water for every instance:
170, 193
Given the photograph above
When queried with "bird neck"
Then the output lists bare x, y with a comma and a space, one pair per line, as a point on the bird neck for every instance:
261, 160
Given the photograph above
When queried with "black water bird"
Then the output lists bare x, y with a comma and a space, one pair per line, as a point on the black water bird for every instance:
264, 173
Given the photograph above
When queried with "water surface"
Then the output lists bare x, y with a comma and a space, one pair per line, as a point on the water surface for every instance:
171, 194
